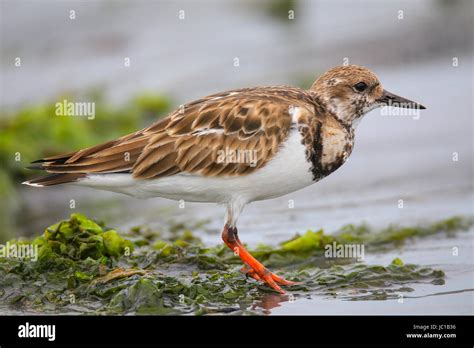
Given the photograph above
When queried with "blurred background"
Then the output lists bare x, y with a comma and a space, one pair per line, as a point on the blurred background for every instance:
183, 50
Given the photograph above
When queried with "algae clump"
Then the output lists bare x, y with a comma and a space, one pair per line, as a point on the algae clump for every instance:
107, 272
80, 238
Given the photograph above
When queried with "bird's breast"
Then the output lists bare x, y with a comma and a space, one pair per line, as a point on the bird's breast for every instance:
328, 146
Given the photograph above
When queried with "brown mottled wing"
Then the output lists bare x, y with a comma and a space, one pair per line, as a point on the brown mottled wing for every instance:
229, 134
232, 133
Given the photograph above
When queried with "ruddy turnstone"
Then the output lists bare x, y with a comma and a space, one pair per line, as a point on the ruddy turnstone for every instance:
234, 148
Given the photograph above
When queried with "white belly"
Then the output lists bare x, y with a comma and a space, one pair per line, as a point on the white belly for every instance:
288, 171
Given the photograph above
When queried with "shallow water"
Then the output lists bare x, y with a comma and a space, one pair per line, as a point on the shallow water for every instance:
456, 296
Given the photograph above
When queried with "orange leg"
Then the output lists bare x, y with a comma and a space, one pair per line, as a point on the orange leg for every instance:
253, 267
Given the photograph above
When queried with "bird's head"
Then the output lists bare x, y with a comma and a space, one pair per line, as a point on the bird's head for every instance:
351, 91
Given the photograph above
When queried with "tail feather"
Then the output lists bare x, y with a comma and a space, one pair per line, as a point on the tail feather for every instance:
116, 156
35, 166
54, 179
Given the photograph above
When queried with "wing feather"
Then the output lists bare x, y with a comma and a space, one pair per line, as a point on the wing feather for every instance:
198, 137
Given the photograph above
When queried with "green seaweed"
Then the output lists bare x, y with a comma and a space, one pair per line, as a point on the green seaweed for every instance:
80, 238
87, 268
311, 246
279, 9
397, 235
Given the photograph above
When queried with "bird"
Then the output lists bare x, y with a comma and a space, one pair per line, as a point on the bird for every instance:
234, 148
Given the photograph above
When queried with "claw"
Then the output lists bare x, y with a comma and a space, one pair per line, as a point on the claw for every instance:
268, 277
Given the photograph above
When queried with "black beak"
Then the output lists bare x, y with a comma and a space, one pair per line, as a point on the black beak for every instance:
391, 99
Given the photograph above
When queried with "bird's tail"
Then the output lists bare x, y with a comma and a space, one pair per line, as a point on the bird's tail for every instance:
54, 179
107, 157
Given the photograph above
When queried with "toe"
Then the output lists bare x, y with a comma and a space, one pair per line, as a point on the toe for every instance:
249, 272
267, 278
283, 281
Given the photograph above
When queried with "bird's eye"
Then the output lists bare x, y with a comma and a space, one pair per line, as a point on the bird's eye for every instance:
360, 86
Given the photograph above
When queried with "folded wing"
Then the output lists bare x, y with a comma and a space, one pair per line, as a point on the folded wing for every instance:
231, 133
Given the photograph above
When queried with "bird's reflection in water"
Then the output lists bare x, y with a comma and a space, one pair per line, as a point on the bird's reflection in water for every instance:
270, 301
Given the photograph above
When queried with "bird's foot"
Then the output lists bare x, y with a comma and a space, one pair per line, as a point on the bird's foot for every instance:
270, 278
252, 267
